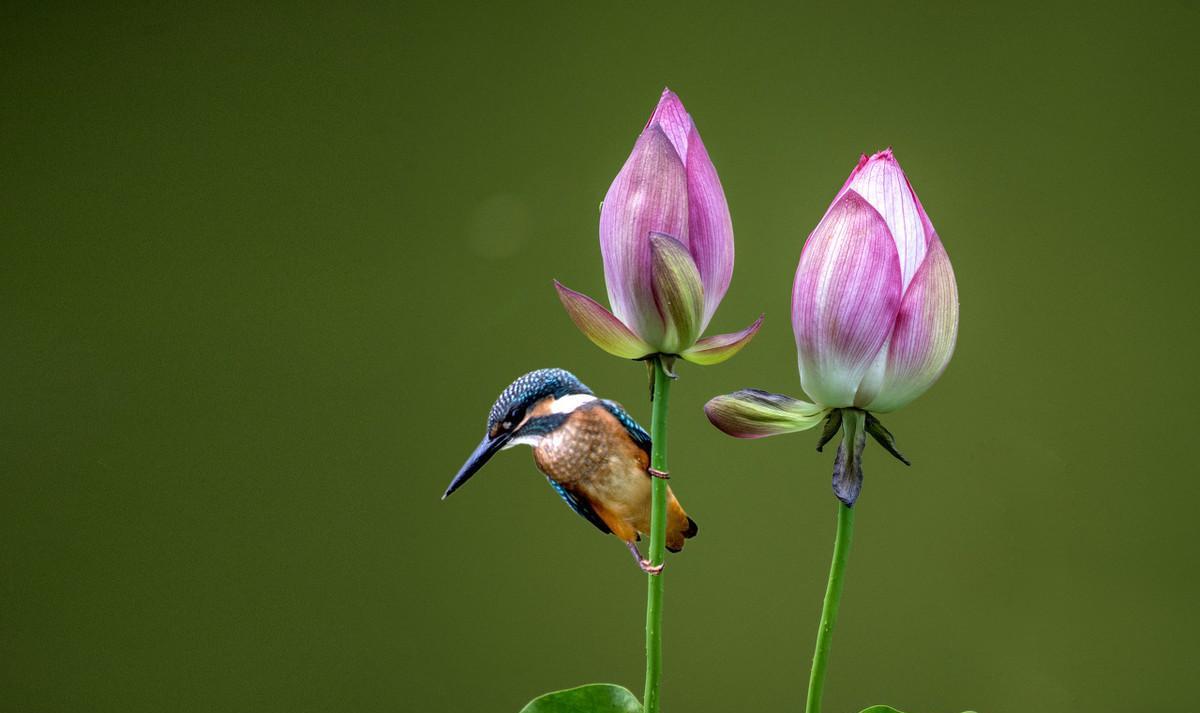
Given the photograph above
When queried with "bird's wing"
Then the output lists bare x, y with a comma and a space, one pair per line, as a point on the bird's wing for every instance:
635, 431
579, 504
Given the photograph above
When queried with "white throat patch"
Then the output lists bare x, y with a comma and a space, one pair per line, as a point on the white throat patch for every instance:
523, 441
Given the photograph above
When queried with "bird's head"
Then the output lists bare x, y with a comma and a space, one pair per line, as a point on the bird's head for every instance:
513, 420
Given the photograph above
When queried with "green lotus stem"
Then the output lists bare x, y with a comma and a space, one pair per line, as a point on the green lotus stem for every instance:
658, 536
833, 594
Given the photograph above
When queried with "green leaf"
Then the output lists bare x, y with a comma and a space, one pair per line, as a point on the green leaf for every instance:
880, 709
889, 709
592, 698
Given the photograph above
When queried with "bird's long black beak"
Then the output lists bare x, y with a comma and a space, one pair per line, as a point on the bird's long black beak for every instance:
483, 452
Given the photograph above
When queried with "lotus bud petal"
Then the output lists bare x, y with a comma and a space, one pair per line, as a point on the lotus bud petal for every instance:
844, 300
600, 326
881, 182
678, 294
649, 195
719, 347
922, 341
709, 227
753, 413
923, 337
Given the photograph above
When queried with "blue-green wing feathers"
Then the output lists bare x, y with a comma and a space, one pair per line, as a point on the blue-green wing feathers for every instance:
635, 431
579, 505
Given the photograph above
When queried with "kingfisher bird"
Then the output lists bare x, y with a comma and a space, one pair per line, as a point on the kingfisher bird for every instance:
595, 456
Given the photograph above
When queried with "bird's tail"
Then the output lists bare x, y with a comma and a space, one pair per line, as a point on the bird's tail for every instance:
680, 527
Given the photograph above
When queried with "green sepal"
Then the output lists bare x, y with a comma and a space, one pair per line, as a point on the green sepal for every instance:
601, 326
591, 698
678, 292
720, 347
668, 365
754, 413
833, 424
847, 466
884, 438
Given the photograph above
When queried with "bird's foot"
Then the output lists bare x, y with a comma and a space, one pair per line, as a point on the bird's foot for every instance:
656, 473
653, 569
645, 564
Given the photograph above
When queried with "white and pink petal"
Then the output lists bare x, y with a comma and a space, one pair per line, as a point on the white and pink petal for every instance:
882, 182
710, 228
844, 300
673, 119
924, 336
648, 195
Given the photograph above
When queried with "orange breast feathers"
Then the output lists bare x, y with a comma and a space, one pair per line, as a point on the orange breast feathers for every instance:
591, 444
593, 456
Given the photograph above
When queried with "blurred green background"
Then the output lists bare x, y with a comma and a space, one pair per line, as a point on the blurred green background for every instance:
265, 267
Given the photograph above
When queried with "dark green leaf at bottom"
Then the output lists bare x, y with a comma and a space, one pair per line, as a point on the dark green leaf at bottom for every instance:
592, 698
888, 709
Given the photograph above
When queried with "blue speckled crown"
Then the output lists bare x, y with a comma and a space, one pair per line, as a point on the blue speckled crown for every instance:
531, 388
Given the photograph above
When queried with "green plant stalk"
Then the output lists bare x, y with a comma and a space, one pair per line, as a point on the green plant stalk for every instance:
829, 611
658, 536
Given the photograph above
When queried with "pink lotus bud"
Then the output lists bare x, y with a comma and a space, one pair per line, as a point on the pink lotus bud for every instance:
874, 305
667, 243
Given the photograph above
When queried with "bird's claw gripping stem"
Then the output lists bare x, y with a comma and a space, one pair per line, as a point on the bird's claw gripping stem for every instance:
654, 569
656, 473
647, 567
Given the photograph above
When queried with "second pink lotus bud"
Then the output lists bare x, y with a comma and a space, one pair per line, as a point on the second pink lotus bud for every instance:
875, 304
